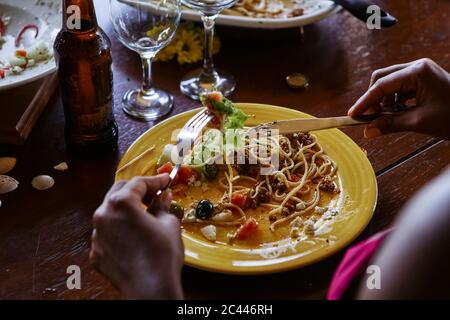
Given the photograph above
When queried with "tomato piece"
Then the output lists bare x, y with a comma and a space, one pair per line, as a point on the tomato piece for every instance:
185, 174
167, 168
215, 96
239, 199
249, 227
2, 74
25, 28
21, 53
294, 178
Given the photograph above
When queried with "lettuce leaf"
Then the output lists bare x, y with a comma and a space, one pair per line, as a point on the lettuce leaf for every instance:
223, 107
235, 118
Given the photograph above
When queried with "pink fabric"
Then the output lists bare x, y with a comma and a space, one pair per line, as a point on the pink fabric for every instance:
354, 264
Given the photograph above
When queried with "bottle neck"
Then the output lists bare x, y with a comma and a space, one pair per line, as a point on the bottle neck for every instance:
79, 16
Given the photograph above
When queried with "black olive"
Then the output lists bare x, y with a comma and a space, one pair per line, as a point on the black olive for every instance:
205, 210
176, 209
211, 171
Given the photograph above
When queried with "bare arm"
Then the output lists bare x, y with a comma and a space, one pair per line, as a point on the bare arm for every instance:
415, 261
422, 82
140, 253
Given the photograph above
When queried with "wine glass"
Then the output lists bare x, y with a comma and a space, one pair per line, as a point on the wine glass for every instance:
198, 82
146, 26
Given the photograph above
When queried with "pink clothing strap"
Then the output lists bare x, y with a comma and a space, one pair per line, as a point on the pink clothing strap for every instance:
354, 263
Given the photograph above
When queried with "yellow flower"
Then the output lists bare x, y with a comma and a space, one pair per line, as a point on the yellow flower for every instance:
187, 44
168, 53
191, 49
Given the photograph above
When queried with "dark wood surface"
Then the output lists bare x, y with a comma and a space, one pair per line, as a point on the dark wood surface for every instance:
23, 108
42, 233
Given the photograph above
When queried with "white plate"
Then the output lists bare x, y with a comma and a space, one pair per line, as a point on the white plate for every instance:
322, 9
47, 15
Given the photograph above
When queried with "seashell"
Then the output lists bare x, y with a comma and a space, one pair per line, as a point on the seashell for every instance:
43, 182
7, 164
61, 167
7, 184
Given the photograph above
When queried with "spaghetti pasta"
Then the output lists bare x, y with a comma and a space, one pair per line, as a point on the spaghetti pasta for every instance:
265, 8
286, 176
292, 191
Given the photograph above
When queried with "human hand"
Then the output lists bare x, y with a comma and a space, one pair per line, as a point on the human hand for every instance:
141, 253
422, 80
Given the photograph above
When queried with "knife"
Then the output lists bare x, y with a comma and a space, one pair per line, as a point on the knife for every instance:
359, 9
313, 124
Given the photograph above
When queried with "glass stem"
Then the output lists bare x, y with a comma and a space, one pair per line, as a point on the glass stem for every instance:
207, 75
147, 83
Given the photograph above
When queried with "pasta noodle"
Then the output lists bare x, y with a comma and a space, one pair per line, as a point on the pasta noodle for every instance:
272, 9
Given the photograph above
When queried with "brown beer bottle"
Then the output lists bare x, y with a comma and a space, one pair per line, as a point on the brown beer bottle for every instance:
83, 55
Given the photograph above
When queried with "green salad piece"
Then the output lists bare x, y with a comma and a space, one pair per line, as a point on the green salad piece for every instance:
236, 120
233, 118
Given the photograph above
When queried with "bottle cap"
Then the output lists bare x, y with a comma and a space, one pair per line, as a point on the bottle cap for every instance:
297, 81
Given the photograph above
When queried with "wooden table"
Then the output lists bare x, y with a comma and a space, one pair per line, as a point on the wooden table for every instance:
42, 233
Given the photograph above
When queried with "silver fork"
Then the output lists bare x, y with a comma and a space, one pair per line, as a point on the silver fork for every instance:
186, 137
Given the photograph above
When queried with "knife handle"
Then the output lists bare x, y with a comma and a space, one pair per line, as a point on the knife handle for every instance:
358, 8
346, 121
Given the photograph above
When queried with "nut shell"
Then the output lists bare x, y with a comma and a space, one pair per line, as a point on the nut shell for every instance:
297, 81
7, 164
61, 167
43, 182
8, 184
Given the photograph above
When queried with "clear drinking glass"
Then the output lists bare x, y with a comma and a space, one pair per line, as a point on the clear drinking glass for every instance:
206, 79
146, 26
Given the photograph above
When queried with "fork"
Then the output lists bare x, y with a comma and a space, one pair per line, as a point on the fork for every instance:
186, 137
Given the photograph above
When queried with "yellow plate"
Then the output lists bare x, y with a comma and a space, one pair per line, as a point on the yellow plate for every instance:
356, 201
